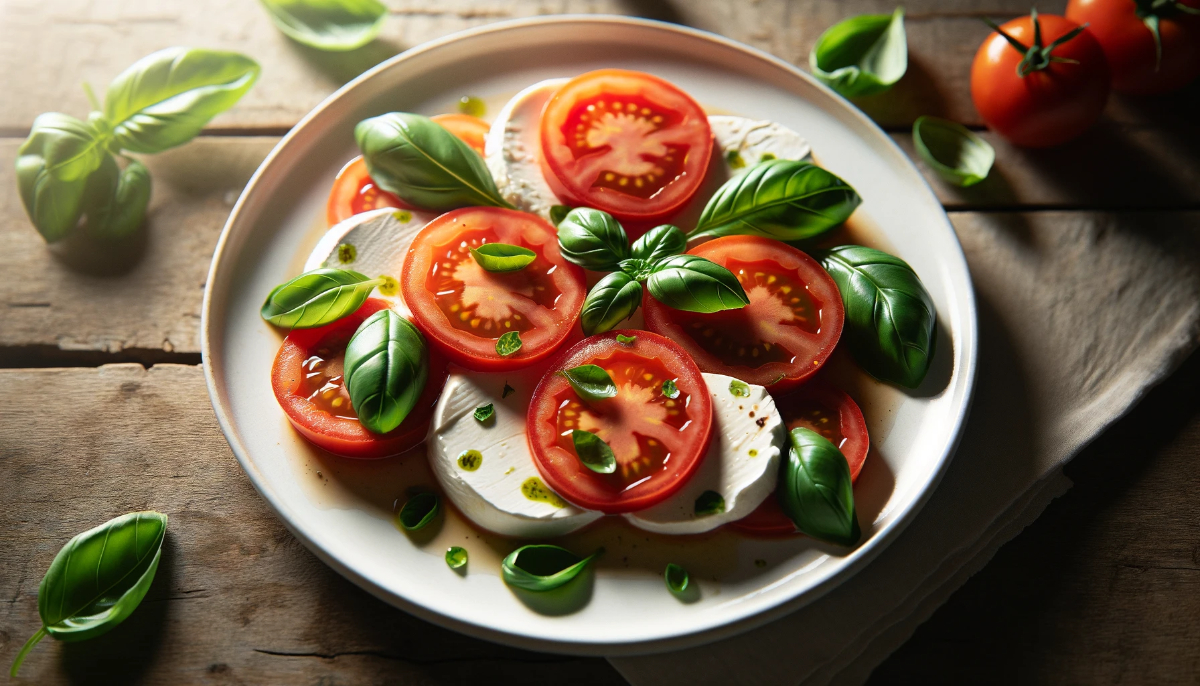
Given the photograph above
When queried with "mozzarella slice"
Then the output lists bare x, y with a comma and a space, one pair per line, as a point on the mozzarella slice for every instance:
513, 149
744, 142
741, 465
497, 486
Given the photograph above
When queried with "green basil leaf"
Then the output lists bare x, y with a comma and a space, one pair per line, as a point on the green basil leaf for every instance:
55, 204
709, 503
815, 489
788, 200
676, 578
669, 389
890, 318
165, 98
70, 149
862, 55
501, 257
456, 557
484, 412
336, 25
592, 239
542, 567
590, 382
593, 452
660, 242
558, 213
419, 510
953, 151
317, 298
626, 340
694, 284
117, 198
423, 164
508, 344
98, 579
387, 365
611, 301
739, 388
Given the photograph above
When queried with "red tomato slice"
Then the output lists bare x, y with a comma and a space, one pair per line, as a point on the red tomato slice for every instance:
834, 415
658, 442
625, 142
307, 380
782, 337
354, 192
470, 130
463, 309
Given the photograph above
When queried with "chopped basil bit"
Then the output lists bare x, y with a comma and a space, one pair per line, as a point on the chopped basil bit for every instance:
347, 253
543, 567
485, 412
593, 452
739, 388
734, 158
590, 382
419, 511
456, 557
508, 344
669, 389
709, 503
508, 390
676, 578
625, 340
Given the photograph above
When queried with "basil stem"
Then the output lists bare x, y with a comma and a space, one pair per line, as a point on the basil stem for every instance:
542, 567
709, 503
694, 284
508, 344
676, 578
334, 25
592, 239
815, 489
501, 257
593, 452
862, 55
659, 243
611, 301
419, 510
590, 382
956, 153
386, 368
317, 298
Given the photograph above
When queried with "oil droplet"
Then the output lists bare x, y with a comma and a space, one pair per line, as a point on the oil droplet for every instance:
470, 460
402, 216
389, 285
347, 253
534, 489
767, 157
734, 158
469, 104
753, 452
456, 557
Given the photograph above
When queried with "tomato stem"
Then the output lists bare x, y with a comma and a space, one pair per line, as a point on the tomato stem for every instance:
1037, 56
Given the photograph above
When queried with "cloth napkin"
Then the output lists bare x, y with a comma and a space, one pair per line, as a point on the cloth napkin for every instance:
1079, 315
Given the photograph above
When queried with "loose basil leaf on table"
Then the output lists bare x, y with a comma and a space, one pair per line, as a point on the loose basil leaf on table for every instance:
590, 382
98, 579
862, 55
501, 257
419, 510
788, 200
611, 301
593, 240
542, 567
676, 578
694, 284
317, 298
955, 152
815, 489
593, 452
890, 319
709, 503
335, 25
118, 198
508, 344
425, 165
660, 242
387, 365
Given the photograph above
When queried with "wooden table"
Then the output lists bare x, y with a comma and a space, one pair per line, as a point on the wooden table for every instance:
106, 409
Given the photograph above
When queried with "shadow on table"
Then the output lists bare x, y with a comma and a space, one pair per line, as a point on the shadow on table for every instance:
342, 67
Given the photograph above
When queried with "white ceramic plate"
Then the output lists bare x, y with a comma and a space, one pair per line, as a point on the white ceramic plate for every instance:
342, 510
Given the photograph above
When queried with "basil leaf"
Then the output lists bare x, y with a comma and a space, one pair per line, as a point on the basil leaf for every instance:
626, 340
423, 164
55, 204
456, 557
815, 489
419, 510
611, 301
558, 213
676, 578
117, 198
694, 284
660, 242
542, 567
336, 25
669, 389
890, 318
317, 298
593, 452
508, 344
862, 55
957, 155
739, 388
387, 365
590, 382
592, 239
788, 200
70, 149
98, 579
484, 412
165, 98
709, 503
501, 257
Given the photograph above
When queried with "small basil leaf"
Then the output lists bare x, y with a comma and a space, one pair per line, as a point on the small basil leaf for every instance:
626, 340
387, 365
317, 298
659, 242
558, 213
862, 55
423, 164
739, 388
484, 412
508, 344
592, 239
336, 25
676, 578
121, 197
815, 489
890, 318
611, 301
636, 268
788, 200
957, 155
669, 389
590, 382
53, 204
419, 511
501, 257
508, 390
694, 284
165, 98
593, 452
70, 149
709, 503
456, 557
542, 567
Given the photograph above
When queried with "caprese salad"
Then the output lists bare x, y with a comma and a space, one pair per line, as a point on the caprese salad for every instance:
578, 325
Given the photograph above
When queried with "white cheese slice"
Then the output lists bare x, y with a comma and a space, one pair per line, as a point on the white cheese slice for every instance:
493, 494
741, 465
743, 142
513, 149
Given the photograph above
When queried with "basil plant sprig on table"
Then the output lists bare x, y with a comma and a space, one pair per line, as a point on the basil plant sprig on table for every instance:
67, 169
333, 25
862, 55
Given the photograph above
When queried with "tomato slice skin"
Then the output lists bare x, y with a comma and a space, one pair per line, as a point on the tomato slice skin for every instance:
337, 434
355, 192
463, 310
792, 300
623, 422
846, 429
470, 130
625, 142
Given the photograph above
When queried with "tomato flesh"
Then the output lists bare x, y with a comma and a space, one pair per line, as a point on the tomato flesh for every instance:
1129, 45
470, 130
355, 192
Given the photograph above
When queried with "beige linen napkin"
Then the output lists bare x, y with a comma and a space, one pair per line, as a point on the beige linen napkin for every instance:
1079, 315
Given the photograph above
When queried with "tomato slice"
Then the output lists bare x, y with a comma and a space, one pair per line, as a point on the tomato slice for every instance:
470, 130
658, 441
463, 309
782, 337
625, 142
834, 415
307, 380
355, 192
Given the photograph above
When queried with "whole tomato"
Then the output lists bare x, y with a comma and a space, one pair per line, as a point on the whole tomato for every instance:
1152, 46
1040, 80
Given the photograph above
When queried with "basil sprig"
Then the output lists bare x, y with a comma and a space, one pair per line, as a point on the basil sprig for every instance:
387, 365
862, 55
659, 243
953, 151
502, 257
67, 169
890, 318
590, 382
593, 452
98, 579
815, 489
789, 200
542, 567
317, 298
335, 25
419, 161
593, 240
